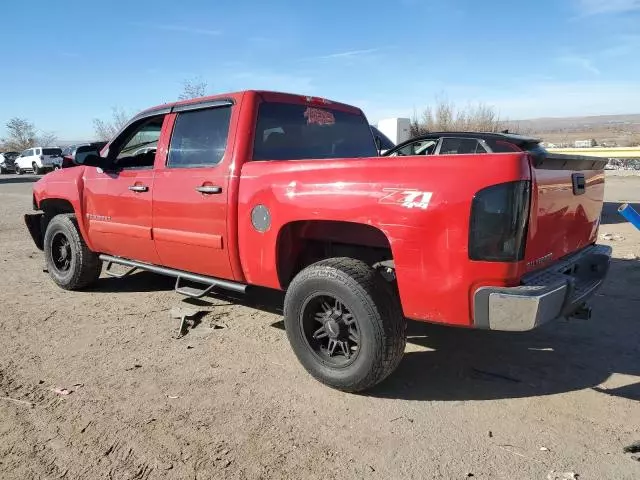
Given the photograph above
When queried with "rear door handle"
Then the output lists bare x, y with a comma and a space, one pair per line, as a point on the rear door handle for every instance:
138, 188
209, 189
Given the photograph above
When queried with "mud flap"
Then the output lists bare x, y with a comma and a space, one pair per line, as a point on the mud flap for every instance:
34, 224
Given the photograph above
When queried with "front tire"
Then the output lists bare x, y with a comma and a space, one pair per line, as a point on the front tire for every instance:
344, 324
71, 264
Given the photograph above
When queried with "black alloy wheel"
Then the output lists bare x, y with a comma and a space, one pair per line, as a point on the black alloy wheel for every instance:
331, 330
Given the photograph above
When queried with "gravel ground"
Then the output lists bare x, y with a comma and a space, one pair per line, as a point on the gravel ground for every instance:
229, 399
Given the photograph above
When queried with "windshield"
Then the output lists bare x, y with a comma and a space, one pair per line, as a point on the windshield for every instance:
286, 131
51, 151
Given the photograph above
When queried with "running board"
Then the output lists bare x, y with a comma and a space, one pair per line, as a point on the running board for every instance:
192, 292
113, 274
211, 282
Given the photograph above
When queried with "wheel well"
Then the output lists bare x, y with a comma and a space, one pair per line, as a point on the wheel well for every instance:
52, 207
305, 242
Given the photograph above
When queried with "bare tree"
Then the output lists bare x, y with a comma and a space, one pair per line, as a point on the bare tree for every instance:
107, 129
47, 139
414, 126
21, 134
632, 140
516, 126
193, 88
446, 117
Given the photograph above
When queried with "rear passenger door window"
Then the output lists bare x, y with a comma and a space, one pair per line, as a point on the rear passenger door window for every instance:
461, 146
199, 138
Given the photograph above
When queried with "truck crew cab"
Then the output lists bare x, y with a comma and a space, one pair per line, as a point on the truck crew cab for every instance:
287, 192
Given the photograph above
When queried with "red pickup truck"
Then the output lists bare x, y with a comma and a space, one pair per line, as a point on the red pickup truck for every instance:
288, 192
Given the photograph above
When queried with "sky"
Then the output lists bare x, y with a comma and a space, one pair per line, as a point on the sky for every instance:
68, 62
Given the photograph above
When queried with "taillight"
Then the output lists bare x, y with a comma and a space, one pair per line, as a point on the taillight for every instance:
498, 225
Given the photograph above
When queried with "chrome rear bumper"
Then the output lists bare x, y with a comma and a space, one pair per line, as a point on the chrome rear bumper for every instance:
555, 292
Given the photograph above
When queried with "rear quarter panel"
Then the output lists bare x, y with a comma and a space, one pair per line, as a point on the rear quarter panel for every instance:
429, 245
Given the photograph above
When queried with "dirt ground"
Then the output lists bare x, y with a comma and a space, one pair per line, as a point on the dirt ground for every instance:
229, 399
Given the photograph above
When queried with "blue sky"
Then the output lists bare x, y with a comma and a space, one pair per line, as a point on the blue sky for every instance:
67, 62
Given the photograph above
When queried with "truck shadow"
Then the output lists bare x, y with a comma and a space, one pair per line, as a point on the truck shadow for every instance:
456, 364
137, 282
610, 215
448, 364
259, 298
19, 179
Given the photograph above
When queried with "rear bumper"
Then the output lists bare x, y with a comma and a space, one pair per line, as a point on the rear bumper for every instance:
555, 292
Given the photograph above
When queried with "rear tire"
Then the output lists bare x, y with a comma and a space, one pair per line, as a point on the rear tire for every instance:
18, 171
71, 264
343, 303
37, 170
2, 171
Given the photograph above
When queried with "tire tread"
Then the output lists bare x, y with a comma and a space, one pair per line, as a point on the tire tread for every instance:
89, 265
384, 309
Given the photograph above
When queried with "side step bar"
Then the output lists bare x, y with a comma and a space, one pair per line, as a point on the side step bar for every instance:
211, 282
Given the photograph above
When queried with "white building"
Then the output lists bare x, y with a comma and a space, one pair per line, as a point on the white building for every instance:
584, 143
397, 129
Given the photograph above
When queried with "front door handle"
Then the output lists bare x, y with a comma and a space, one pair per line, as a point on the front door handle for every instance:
209, 189
138, 188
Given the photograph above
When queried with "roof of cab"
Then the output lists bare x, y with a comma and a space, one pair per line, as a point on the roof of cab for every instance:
235, 96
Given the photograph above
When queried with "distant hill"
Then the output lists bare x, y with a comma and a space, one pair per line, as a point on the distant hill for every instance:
622, 130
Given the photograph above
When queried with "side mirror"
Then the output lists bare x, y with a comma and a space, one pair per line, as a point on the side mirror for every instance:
90, 159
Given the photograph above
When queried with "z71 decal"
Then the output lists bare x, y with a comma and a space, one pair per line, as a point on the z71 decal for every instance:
406, 198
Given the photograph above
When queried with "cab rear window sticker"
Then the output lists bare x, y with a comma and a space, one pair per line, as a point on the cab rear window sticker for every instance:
318, 116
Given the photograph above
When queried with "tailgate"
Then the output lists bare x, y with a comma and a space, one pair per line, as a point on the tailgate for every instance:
566, 204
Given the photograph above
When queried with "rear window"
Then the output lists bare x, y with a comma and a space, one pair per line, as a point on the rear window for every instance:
51, 151
502, 146
287, 131
507, 146
535, 148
